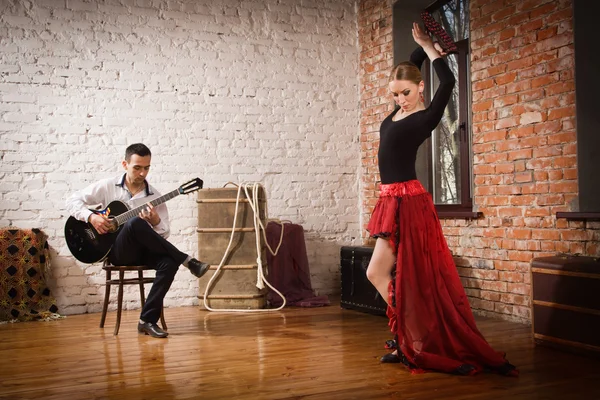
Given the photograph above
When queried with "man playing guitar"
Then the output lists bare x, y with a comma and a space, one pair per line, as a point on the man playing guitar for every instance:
142, 239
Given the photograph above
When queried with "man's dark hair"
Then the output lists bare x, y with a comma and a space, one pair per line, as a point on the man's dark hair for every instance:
137, 148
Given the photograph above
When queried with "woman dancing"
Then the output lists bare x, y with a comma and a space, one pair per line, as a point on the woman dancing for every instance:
412, 267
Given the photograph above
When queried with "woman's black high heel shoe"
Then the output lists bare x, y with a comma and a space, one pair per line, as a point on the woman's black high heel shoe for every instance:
390, 358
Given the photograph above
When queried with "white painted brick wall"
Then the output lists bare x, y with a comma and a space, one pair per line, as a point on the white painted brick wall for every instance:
231, 90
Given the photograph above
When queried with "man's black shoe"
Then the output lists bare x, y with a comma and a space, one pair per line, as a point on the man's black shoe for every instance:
152, 329
197, 268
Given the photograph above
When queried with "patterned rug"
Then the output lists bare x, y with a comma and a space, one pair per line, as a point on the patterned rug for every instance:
24, 257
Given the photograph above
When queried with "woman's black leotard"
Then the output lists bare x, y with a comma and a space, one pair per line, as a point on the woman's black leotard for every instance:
400, 140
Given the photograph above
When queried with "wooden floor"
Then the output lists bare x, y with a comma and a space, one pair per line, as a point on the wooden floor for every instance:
319, 353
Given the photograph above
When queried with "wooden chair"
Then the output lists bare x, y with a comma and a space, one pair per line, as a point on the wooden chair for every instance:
121, 281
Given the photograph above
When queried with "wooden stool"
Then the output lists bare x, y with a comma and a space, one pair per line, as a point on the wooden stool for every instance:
121, 280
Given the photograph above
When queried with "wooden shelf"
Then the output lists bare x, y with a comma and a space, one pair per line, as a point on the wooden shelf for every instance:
459, 214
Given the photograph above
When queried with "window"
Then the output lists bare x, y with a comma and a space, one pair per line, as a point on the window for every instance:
449, 167
587, 85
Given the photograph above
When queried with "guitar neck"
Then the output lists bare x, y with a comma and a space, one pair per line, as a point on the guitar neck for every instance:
126, 216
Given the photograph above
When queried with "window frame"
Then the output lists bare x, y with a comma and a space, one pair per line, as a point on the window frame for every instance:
586, 87
464, 209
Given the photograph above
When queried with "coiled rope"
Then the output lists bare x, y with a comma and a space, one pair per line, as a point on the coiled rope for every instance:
258, 228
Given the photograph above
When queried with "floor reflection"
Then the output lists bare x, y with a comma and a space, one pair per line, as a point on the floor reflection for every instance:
135, 368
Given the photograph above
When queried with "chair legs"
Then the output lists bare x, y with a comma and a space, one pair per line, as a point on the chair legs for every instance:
120, 282
106, 297
162, 319
142, 294
119, 302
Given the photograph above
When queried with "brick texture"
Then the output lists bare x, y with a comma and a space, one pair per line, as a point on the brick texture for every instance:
376, 61
238, 91
524, 145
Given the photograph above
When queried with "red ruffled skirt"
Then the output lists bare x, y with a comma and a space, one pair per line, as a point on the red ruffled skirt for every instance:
429, 312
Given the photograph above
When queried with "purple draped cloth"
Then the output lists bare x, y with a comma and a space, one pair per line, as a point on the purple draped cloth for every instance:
288, 270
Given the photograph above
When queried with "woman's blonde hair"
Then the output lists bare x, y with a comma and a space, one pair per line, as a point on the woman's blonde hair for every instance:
406, 71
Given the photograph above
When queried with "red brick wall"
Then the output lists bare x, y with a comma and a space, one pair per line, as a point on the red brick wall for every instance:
376, 61
524, 144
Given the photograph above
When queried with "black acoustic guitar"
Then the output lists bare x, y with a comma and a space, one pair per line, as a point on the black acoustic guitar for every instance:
89, 246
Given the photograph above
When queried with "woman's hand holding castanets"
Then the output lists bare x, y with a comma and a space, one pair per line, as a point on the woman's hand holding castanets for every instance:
424, 40
420, 37
439, 49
